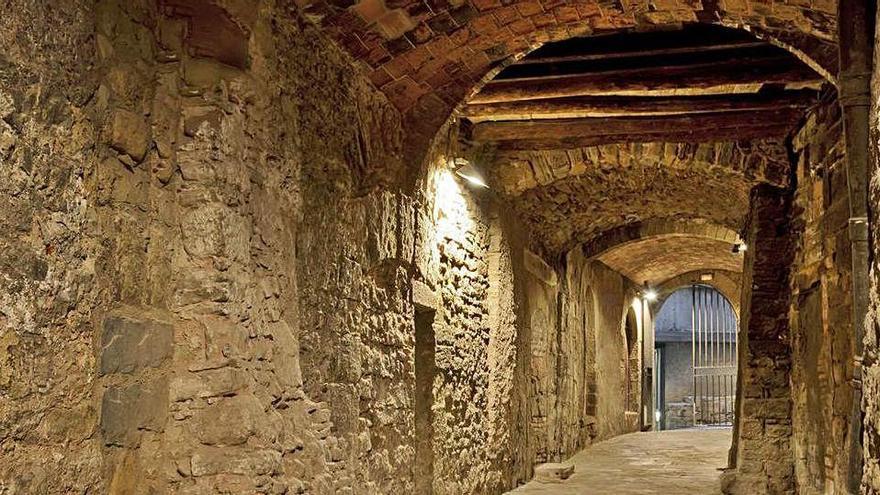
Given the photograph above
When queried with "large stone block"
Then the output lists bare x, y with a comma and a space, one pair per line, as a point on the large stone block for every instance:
553, 472
224, 460
541, 270
286, 356
230, 421
129, 133
129, 344
127, 410
207, 383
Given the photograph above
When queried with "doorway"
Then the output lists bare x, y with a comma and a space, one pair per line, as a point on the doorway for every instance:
695, 358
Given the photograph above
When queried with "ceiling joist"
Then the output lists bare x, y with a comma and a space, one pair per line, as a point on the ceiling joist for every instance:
700, 76
564, 133
608, 106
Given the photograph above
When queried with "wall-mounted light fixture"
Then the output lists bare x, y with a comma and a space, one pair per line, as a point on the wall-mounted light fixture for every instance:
649, 294
739, 248
467, 171
707, 277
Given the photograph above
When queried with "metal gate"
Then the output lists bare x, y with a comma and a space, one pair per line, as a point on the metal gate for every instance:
714, 357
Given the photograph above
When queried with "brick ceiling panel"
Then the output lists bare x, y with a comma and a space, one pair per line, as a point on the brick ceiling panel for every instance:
658, 259
443, 49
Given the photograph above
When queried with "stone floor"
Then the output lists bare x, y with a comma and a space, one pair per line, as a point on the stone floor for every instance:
679, 462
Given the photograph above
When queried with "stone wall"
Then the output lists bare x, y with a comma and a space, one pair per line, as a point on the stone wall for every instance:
218, 278
154, 153
796, 368
761, 452
821, 312
599, 298
871, 365
512, 365
48, 269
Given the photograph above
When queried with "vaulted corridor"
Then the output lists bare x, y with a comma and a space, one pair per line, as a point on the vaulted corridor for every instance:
439, 247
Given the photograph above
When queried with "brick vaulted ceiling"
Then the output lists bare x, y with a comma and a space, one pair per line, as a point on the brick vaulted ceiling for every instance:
427, 55
435, 57
593, 135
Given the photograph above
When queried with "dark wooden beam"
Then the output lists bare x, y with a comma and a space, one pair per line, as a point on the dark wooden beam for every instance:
731, 45
723, 126
704, 136
591, 106
701, 76
628, 41
655, 57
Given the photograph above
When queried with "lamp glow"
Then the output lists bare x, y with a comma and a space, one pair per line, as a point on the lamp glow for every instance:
650, 295
470, 173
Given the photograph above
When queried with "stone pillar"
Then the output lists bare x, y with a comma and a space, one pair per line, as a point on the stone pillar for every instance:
762, 453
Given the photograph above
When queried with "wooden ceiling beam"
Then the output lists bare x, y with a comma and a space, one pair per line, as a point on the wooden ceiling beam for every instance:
594, 106
702, 136
694, 77
731, 45
678, 57
721, 126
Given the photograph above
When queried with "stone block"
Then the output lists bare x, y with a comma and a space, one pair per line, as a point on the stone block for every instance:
225, 460
207, 383
553, 472
230, 421
128, 133
424, 296
286, 356
7, 139
225, 339
127, 410
541, 270
7, 105
129, 344
767, 408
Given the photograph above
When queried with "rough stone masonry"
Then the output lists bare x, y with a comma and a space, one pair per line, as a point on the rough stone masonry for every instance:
235, 257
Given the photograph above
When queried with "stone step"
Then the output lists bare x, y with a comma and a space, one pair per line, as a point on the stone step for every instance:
553, 472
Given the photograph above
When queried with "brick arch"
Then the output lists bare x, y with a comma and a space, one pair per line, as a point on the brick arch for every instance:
427, 56
663, 249
657, 227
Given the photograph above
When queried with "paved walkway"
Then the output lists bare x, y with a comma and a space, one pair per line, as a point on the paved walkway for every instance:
679, 462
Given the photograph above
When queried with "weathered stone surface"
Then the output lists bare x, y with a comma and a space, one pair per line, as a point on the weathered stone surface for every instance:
129, 344
229, 421
127, 410
424, 296
129, 133
765, 395
553, 472
207, 383
281, 228
540, 269
215, 460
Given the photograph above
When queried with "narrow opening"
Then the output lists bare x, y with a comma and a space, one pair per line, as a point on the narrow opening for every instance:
425, 370
590, 396
632, 362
